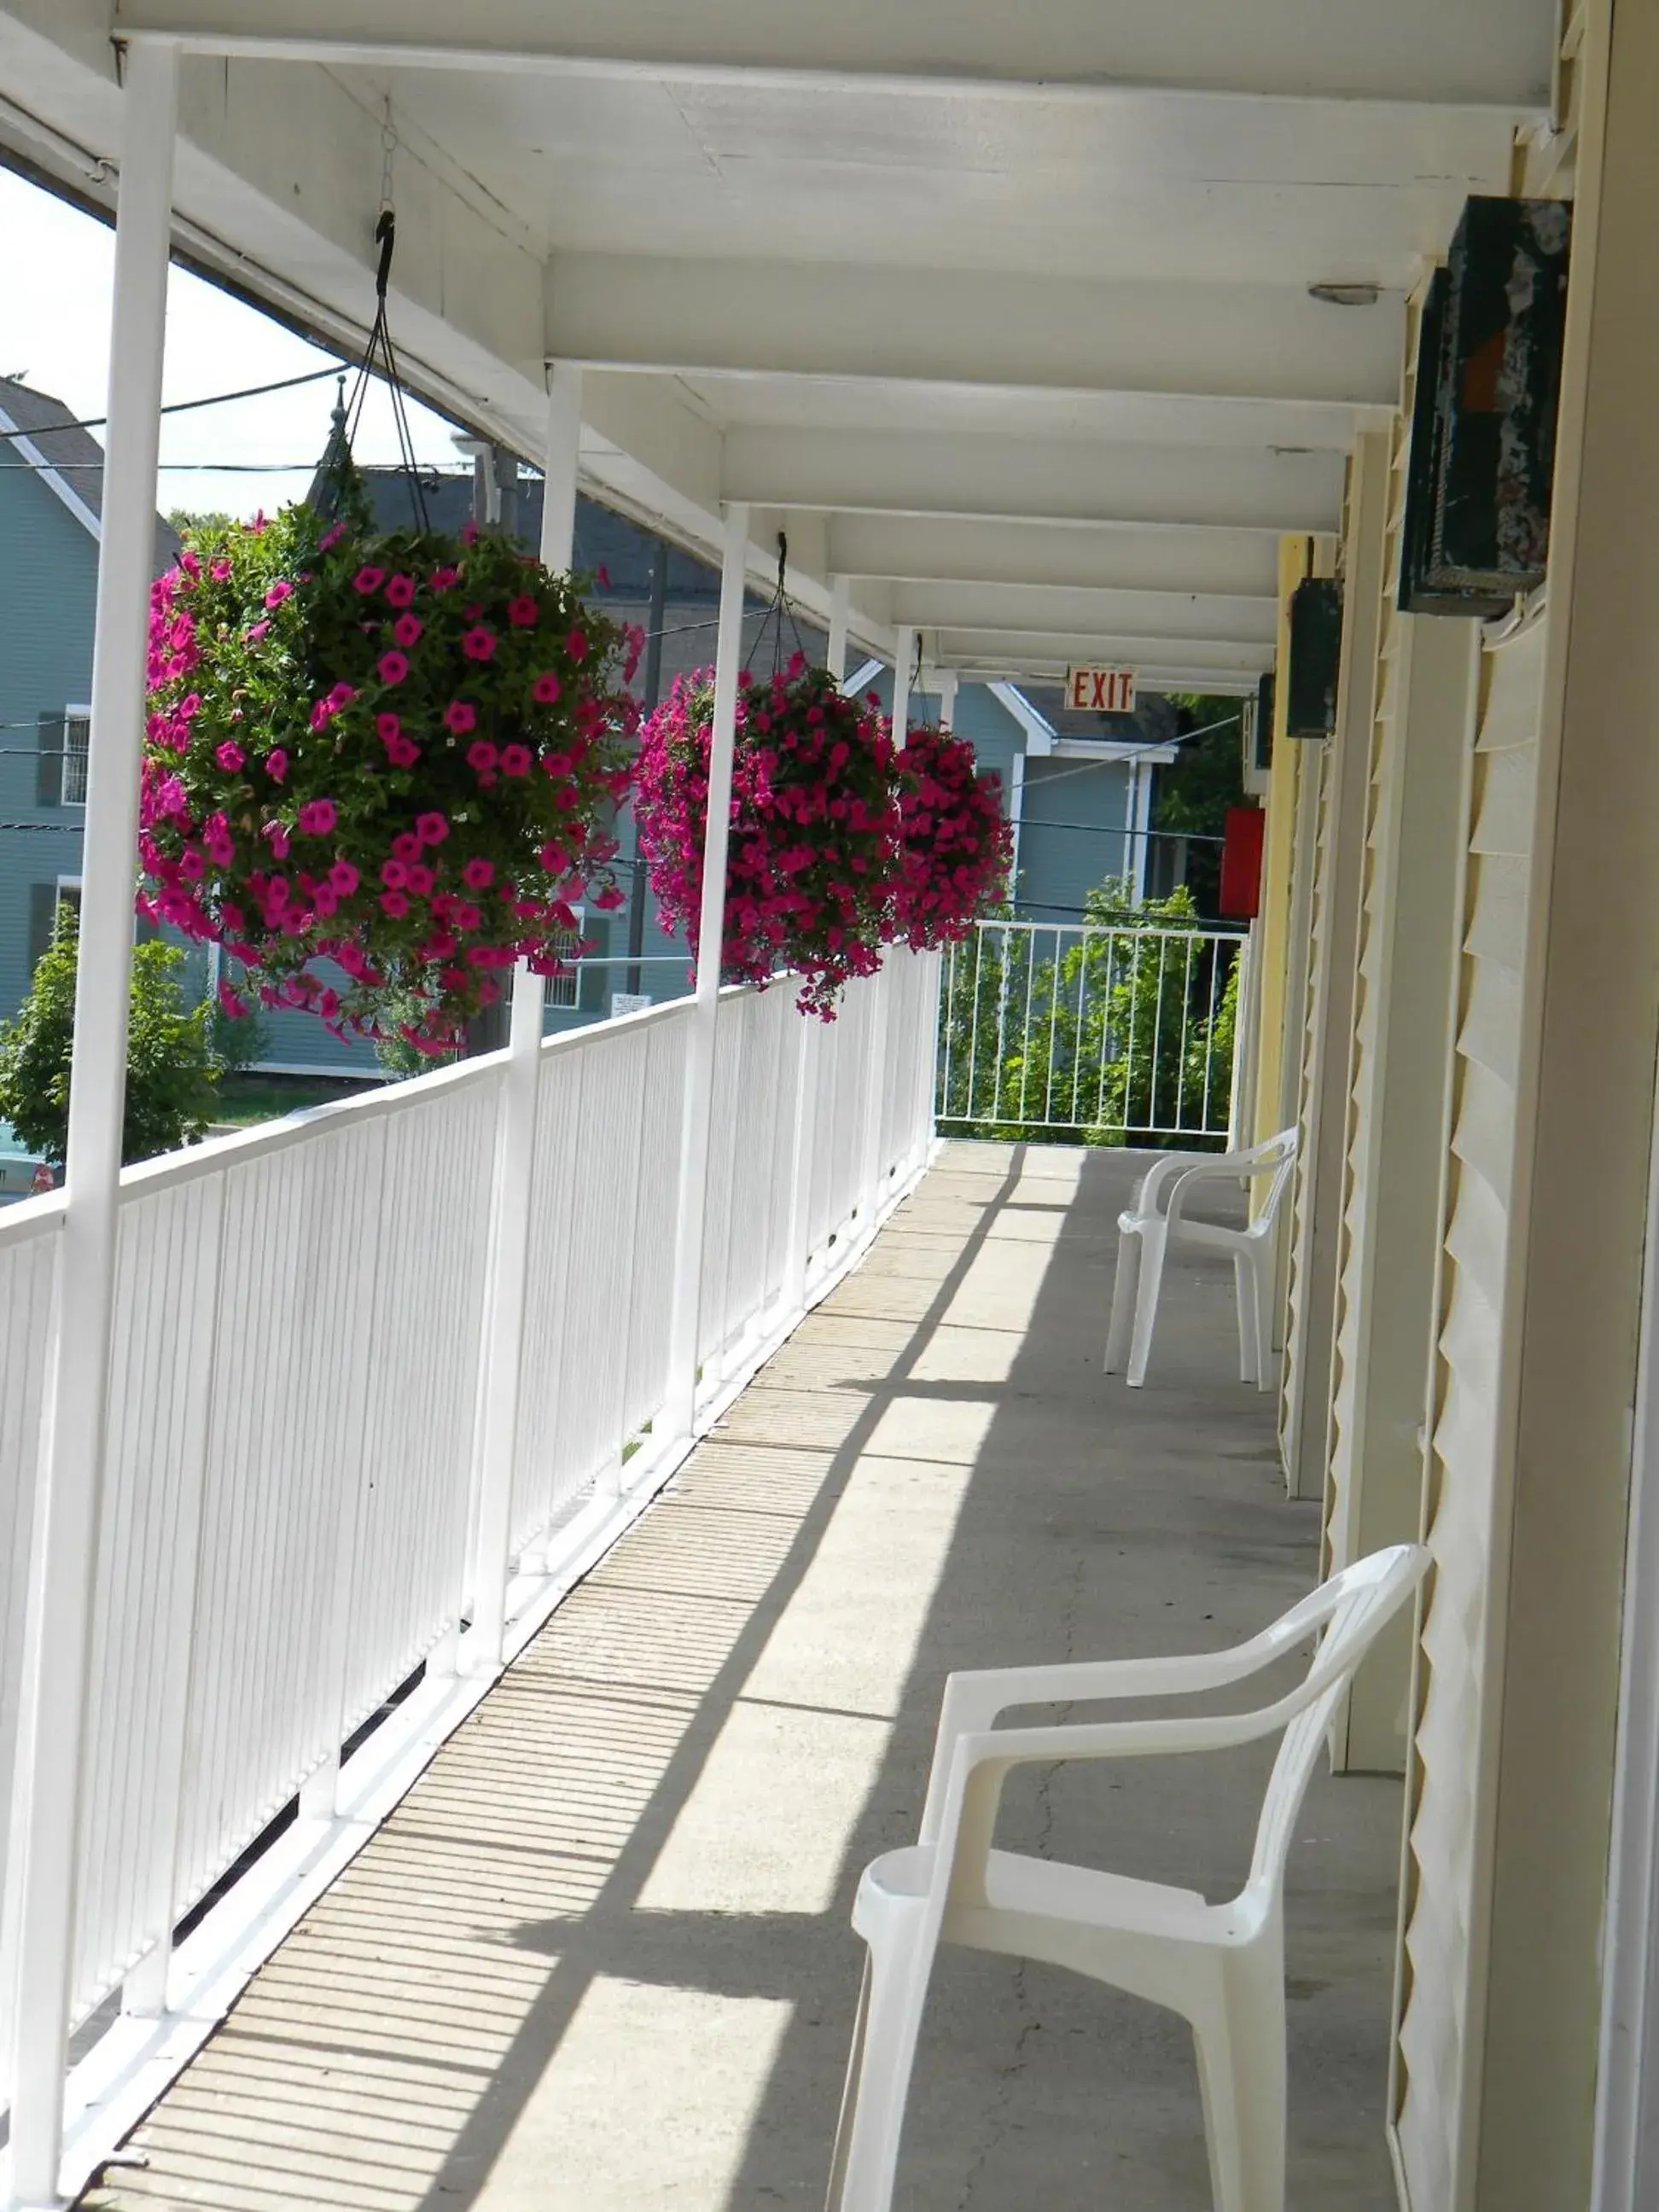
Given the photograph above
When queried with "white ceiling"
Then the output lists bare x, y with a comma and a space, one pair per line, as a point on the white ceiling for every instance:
1003, 310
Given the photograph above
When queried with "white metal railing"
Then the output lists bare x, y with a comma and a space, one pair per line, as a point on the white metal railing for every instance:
1084, 1028
289, 1512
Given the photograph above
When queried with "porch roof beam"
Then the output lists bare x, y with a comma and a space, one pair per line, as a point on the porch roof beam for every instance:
953, 646
1021, 479
963, 329
1480, 54
1035, 667
1017, 611
967, 550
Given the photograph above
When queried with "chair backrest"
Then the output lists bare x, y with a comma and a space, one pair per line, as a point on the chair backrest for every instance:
1353, 1608
1279, 1153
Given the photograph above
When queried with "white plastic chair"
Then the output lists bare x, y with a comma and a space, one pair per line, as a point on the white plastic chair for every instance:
1146, 1232
1221, 1965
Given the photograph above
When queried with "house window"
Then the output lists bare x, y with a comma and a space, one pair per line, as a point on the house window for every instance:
562, 990
45, 899
77, 744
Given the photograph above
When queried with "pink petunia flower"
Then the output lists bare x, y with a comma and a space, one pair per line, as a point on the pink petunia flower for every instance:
432, 828
523, 612
280, 590
576, 645
318, 818
406, 846
402, 752
393, 874
482, 755
459, 717
253, 636
422, 881
276, 764
516, 760
341, 696
230, 756
407, 629
394, 904
478, 874
220, 573
545, 689
368, 580
465, 917
386, 727
479, 644
393, 668
331, 539
400, 592
328, 1002
444, 579
344, 878
279, 839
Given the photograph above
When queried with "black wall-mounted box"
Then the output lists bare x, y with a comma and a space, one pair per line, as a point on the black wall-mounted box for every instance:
1316, 657
1477, 518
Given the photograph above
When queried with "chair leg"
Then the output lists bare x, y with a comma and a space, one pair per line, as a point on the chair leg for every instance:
1241, 2061
1123, 1300
1263, 1270
1153, 1241
1249, 1361
849, 2095
868, 2144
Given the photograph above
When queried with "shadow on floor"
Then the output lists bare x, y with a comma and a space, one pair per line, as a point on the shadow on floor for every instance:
599, 1960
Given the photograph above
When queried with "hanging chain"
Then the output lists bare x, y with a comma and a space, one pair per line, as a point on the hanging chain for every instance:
776, 613
388, 148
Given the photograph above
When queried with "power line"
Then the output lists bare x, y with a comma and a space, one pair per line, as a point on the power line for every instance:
181, 406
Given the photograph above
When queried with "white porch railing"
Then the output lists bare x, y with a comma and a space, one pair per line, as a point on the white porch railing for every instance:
289, 1517
1085, 1028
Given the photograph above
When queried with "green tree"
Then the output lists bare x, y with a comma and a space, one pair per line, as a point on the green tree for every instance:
1194, 790
1125, 1038
172, 1071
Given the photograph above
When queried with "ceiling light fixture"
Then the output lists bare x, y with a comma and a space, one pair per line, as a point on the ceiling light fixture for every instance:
1345, 296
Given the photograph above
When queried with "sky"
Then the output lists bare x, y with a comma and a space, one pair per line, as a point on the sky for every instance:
57, 266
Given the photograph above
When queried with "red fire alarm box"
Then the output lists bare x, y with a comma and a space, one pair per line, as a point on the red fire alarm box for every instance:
1241, 863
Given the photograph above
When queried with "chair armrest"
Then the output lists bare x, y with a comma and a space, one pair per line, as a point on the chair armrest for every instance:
981, 1762
973, 1701
1223, 1167
1146, 1198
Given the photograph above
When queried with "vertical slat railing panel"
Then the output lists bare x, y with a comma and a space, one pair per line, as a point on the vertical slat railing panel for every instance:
423, 1383
28, 1266
539, 1490
652, 1258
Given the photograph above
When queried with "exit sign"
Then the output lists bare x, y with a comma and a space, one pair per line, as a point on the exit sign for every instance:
1101, 691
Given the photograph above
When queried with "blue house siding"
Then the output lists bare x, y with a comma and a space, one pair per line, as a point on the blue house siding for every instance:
1071, 834
48, 588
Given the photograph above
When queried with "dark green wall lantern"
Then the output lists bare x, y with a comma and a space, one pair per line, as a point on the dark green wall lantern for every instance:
1316, 657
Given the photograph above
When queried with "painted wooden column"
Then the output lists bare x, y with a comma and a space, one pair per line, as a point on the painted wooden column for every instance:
76, 1406
876, 1090
515, 1151
840, 602
690, 1228
1322, 1166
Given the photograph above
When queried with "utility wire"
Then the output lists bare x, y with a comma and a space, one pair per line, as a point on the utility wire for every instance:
183, 406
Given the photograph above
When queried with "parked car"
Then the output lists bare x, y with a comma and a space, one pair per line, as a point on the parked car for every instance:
19, 1167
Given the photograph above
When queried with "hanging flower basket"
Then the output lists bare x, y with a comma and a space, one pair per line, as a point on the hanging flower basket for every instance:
815, 826
398, 753
956, 849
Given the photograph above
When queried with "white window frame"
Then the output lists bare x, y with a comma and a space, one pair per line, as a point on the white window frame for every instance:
66, 797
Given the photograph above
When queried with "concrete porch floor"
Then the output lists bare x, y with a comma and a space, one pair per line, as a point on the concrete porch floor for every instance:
599, 1960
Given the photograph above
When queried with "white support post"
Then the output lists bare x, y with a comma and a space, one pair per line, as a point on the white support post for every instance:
840, 596
869, 1187
947, 698
75, 1408
691, 1222
515, 1150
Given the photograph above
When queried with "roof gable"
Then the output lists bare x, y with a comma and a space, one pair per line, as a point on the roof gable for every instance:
69, 460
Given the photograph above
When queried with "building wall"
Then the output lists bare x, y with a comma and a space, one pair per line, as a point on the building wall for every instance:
48, 587
1073, 834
